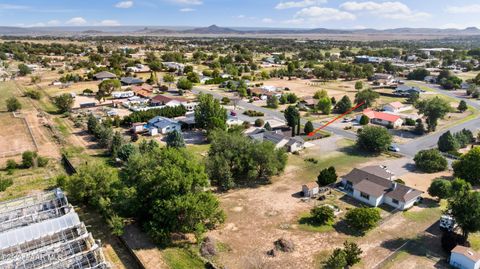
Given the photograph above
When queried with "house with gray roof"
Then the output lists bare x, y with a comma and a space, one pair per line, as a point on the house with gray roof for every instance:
291, 144
129, 81
375, 185
163, 125
104, 75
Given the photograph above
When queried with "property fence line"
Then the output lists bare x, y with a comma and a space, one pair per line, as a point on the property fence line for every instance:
29, 129
387, 259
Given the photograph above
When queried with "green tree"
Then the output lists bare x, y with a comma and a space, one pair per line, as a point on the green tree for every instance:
358, 85
460, 187
413, 98
126, 151
259, 122
338, 260
419, 127
374, 139
116, 144
322, 215
308, 127
24, 70
466, 211
353, 253
168, 78
184, 84
320, 94
193, 77
344, 105
13, 104
462, 106
175, 140
440, 188
29, 159
364, 120
272, 102
267, 126
430, 161
325, 105
209, 114
106, 87
64, 102
434, 109
363, 218
327, 176
168, 193
468, 167
447, 142
366, 96
292, 116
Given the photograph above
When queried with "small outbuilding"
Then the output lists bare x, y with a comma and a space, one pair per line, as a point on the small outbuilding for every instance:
464, 258
310, 189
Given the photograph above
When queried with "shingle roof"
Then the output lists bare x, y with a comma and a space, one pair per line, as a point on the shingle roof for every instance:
104, 74
380, 115
373, 181
131, 80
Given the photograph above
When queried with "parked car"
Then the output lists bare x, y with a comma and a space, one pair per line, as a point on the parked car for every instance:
394, 148
447, 223
233, 113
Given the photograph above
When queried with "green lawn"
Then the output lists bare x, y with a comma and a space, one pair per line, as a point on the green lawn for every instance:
305, 224
9, 89
180, 258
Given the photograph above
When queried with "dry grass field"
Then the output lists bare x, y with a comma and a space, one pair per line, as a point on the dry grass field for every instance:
15, 137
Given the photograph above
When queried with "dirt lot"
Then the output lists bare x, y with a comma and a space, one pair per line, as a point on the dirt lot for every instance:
15, 137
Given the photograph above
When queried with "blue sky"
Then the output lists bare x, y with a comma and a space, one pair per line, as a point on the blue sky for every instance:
338, 14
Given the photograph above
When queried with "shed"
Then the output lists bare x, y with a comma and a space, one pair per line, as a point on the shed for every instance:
310, 189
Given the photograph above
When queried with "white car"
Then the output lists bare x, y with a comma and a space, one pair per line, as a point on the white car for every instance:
394, 148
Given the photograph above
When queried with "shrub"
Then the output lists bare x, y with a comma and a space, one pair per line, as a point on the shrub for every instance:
28, 159
5, 183
364, 120
363, 218
42, 161
374, 139
327, 176
322, 215
409, 122
11, 164
430, 161
33, 94
308, 127
440, 188
253, 113
259, 122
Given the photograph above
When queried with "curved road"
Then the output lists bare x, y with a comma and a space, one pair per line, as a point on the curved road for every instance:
409, 149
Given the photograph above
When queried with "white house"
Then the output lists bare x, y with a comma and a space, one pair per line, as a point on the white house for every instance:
375, 185
396, 107
381, 118
164, 125
464, 258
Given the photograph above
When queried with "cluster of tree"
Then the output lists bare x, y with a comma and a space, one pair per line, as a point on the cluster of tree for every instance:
209, 113
71, 78
344, 258
448, 81
106, 87
64, 102
445, 189
418, 74
327, 176
433, 109
288, 98
235, 160
468, 167
367, 97
374, 139
13, 104
430, 161
344, 105
34, 94
102, 131
363, 219
452, 143
161, 188
144, 116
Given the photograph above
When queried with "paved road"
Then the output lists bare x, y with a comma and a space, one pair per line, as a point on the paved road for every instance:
409, 149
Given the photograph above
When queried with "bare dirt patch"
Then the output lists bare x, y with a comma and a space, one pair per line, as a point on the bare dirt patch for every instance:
15, 137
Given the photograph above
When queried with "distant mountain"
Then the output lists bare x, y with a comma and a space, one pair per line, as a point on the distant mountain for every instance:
212, 30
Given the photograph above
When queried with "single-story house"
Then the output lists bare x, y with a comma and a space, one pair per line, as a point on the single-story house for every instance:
310, 189
138, 68
404, 90
396, 107
129, 81
144, 90
290, 144
308, 102
430, 79
382, 118
464, 258
385, 77
138, 127
104, 75
163, 125
375, 186
164, 100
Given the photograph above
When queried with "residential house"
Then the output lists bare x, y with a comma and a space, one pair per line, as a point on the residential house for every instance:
291, 144
464, 258
138, 68
364, 59
375, 186
129, 81
174, 66
163, 125
104, 75
172, 101
404, 90
382, 118
144, 90
380, 79
396, 107
308, 102
138, 127
310, 189
430, 79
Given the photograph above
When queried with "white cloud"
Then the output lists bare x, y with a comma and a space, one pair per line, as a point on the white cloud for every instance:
13, 7
320, 14
187, 9
389, 10
53, 22
267, 20
187, 2
475, 8
109, 23
240, 17
77, 21
124, 4
299, 4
